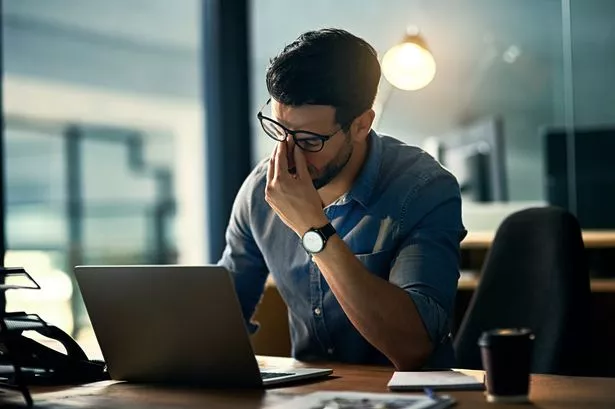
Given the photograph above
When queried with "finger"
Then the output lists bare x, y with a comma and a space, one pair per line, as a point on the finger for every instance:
301, 164
281, 161
271, 164
273, 152
270, 169
274, 160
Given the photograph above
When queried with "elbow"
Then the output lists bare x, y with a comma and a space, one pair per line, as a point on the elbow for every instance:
413, 358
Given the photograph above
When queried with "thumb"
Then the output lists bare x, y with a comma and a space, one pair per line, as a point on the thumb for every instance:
300, 163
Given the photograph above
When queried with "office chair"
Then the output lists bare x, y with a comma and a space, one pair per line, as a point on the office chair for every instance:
534, 276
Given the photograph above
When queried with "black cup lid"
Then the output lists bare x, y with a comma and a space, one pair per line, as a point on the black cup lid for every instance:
491, 336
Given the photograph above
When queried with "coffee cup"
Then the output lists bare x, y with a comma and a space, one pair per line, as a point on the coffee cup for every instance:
506, 355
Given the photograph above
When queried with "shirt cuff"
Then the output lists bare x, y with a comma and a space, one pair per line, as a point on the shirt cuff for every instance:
434, 318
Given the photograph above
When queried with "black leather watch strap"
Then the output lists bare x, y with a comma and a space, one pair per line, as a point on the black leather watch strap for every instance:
326, 231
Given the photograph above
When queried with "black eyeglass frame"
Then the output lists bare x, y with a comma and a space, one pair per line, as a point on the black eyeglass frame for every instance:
314, 136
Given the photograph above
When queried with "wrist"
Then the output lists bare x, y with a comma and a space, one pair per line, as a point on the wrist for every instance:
316, 221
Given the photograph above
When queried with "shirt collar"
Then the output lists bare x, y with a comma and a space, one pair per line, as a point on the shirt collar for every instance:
363, 185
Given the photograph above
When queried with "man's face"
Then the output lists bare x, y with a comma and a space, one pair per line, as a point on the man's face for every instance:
326, 164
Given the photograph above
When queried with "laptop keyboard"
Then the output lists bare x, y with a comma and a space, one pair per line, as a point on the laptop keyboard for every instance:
269, 375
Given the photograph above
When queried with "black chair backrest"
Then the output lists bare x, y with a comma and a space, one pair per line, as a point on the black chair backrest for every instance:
535, 276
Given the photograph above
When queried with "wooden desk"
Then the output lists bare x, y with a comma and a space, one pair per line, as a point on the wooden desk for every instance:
599, 250
591, 238
598, 285
546, 392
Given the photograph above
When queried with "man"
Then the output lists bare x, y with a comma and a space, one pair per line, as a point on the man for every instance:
360, 231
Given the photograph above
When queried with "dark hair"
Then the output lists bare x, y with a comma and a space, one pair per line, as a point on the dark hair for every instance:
326, 67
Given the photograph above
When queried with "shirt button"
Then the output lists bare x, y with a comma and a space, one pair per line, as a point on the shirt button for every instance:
317, 311
330, 351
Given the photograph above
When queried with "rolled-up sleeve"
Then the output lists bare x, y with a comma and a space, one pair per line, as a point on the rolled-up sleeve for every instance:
242, 257
427, 262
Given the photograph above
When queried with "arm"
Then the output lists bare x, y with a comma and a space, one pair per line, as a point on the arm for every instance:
242, 256
411, 315
392, 324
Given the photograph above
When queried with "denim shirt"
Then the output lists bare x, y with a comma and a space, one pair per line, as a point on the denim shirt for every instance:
402, 220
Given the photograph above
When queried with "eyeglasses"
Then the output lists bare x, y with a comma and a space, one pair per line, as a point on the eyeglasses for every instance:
306, 140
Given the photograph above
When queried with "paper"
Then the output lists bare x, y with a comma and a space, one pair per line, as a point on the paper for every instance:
361, 400
437, 380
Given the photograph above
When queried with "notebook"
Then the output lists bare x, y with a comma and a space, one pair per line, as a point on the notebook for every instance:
437, 380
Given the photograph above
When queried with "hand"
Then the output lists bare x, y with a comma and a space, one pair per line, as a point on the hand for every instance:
293, 196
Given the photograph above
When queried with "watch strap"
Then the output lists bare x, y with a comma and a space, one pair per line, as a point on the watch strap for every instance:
326, 231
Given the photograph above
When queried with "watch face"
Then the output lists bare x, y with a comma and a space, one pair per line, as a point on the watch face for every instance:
313, 242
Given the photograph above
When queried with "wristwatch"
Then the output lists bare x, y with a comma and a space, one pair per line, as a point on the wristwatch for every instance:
315, 239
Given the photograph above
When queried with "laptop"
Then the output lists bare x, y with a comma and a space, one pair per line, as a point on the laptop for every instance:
175, 325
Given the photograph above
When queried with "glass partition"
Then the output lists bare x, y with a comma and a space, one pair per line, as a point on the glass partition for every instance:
499, 81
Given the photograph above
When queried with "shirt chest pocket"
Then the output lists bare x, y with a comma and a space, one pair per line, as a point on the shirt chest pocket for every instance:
378, 263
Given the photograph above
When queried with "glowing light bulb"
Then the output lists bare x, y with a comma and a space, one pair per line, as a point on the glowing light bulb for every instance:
408, 66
